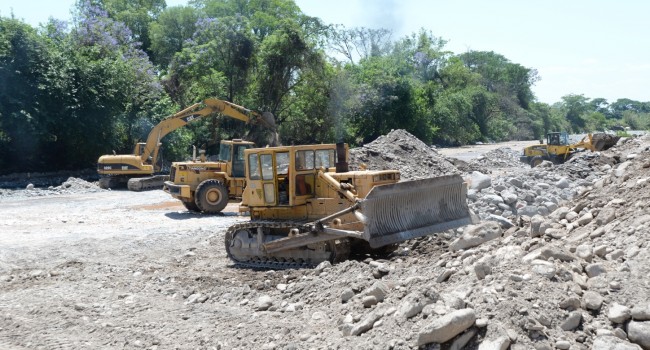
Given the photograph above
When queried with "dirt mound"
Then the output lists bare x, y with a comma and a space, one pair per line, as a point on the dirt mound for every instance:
404, 152
70, 186
503, 157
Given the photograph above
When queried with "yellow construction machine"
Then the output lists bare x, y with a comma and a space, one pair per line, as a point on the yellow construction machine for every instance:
139, 169
558, 149
307, 207
206, 186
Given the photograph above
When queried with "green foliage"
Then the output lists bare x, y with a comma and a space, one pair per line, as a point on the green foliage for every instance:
70, 94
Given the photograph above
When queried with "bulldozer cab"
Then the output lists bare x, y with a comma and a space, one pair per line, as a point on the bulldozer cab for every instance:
557, 138
285, 176
233, 152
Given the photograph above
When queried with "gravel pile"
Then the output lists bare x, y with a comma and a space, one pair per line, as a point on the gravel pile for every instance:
404, 152
70, 186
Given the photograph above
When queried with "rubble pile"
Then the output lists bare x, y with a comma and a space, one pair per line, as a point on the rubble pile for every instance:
402, 151
503, 157
560, 263
72, 185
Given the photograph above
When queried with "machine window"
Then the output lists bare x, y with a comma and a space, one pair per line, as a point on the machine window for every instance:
304, 160
325, 158
282, 163
266, 161
253, 167
224, 152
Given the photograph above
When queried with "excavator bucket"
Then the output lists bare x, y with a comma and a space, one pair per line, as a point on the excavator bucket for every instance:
398, 212
603, 141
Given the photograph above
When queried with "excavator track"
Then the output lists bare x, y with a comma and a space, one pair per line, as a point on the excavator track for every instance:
339, 249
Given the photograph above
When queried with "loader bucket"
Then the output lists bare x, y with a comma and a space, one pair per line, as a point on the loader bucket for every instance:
602, 141
398, 212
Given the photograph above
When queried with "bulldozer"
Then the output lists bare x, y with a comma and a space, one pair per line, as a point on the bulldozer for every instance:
207, 186
558, 149
307, 207
141, 170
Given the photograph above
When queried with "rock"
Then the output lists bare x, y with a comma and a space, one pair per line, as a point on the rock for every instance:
570, 303
493, 199
572, 322
618, 313
563, 183
505, 223
537, 227
379, 290
594, 270
264, 303
29, 187
562, 344
516, 182
605, 216
460, 342
365, 324
324, 265
481, 269
612, 343
639, 333
585, 219
500, 343
446, 327
544, 268
641, 312
475, 235
585, 251
571, 216
556, 253
411, 305
509, 197
346, 295
592, 300
369, 300
479, 181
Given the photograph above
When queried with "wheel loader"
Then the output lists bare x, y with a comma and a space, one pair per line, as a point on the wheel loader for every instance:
307, 207
206, 186
141, 171
558, 149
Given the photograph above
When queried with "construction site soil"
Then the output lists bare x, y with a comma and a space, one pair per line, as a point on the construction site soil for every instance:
560, 260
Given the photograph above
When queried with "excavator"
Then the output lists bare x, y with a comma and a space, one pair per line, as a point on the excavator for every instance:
558, 149
307, 207
139, 170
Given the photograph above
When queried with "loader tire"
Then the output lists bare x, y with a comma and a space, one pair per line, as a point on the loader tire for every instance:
191, 206
211, 196
537, 160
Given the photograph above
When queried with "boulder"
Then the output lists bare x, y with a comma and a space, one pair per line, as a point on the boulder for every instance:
475, 235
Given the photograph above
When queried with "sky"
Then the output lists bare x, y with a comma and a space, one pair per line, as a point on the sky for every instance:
595, 48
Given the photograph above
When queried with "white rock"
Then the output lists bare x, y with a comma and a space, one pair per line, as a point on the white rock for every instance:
475, 235
618, 313
446, 327
479, 181
500, 343
639, 333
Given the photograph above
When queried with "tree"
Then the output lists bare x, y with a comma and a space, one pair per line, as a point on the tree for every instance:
169, 31
137, 15
575, 107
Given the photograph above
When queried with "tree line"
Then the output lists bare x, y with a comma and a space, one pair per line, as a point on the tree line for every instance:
70, 92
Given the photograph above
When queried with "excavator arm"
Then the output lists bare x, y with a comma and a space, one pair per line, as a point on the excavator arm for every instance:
197, 111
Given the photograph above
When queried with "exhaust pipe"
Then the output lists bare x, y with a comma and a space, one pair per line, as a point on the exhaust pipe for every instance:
342, 158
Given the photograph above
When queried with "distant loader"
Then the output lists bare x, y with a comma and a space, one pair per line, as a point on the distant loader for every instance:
558, 149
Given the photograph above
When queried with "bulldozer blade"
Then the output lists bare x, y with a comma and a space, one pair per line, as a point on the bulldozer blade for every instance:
398, 212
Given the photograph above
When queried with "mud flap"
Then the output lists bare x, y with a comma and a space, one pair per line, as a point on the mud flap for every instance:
398, 212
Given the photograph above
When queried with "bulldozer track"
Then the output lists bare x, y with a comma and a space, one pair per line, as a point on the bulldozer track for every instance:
341, 248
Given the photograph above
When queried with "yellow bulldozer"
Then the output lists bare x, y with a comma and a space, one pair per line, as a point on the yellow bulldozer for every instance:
307, 207
558, 149
140, 170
